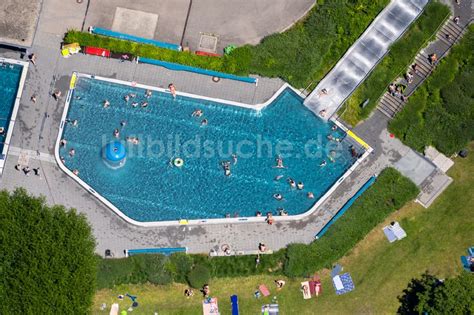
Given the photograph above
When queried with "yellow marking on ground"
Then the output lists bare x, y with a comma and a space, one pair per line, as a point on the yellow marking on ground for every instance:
359, 140
183, 222
73, 81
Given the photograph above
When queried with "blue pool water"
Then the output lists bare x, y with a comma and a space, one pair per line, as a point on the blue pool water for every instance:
149, 188
9, 79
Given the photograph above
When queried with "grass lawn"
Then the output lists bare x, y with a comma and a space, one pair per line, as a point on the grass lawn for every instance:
436, 238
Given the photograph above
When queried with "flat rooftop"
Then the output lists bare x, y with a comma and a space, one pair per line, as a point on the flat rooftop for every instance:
18, 20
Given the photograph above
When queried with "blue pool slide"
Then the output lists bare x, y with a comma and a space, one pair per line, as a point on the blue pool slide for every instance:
178, 67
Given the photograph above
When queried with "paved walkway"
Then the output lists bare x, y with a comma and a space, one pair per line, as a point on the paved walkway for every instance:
235, 22
37, 128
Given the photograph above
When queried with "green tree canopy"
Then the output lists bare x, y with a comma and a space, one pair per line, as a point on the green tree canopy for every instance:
47, 262
429, 295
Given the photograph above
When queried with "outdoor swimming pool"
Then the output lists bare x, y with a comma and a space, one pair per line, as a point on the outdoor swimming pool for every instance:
10, 75
150, 188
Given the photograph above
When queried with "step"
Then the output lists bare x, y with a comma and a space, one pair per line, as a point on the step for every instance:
395, 101
451, 30
454, 25
389, 103
387, 106
442, 37
383, 111
424, 65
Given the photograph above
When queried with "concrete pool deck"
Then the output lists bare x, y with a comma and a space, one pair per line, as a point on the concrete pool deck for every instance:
37, 127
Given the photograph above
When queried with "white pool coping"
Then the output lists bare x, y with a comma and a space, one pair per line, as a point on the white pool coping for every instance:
16, 106
184, 221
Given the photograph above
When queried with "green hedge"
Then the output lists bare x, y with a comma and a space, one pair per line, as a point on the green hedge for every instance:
394, 63
300, 55
390, 192
441, 111
179, 267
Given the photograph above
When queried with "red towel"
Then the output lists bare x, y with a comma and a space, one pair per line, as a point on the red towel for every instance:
315, 287
264, 290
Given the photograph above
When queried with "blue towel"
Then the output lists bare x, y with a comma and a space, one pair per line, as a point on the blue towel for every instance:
347, 283
235, 304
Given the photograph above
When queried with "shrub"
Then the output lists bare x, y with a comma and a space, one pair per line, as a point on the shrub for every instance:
154, 268
180, 265
198, 276
441, 112
394, 63
47, 263
390, 192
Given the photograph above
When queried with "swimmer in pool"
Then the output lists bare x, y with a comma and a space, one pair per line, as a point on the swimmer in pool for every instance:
204, 122
72, 152
323, 163
278, 177
234, 158
197, 113
134, 104
310, 195
106, 104
278, 197
148, 94
126, 98
300, 185
279, 162
133, 140
144, 104
291, 182
116, 133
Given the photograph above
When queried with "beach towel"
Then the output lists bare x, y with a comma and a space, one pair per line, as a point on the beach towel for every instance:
315, 288
305, 290
270, 309
234, 300
114, 309
209, 307
389, 234
343, 283
394, 232
264, 290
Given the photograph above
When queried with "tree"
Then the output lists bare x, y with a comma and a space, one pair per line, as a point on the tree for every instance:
47, 262
429, 295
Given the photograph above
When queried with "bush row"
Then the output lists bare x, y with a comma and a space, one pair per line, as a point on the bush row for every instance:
441, 111
394, 63
390, 192
300, 55
193, 269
